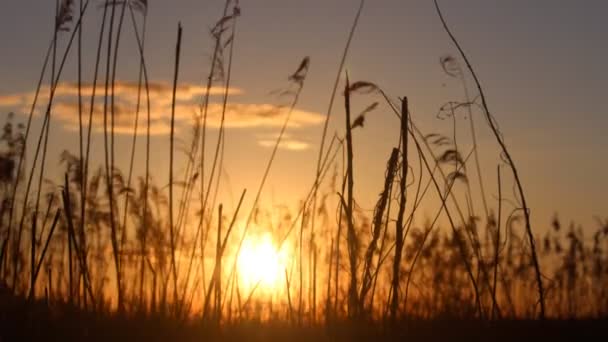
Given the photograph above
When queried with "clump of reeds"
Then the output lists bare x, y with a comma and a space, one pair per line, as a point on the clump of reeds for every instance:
96, 249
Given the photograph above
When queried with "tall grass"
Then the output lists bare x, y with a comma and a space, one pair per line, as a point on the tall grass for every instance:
402, 202
510, 162
150, 254
172, 236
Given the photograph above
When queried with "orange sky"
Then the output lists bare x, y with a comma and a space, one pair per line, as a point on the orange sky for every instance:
542, 65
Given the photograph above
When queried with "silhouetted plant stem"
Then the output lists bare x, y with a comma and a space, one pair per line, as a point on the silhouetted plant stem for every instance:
328, 303
85, 179
46, 121
353, 244
132, 161
415, 131
109, 170
33, 256
113, 85
22, 154
80, 133
226, 94
120, 230
399, 225
220, 248
475, 145
429, 229
218, 270
457, 237
67, 206
339, 230
507, 155
329, 112
336, 83
288, 287
70, 269
497, 241
171, 151
43, 254
143, 68
377, 226
205, 110
301, 266
45, 133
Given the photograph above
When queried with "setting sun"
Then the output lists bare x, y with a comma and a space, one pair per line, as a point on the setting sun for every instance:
260, 264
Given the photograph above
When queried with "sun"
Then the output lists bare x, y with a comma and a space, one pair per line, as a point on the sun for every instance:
260, 263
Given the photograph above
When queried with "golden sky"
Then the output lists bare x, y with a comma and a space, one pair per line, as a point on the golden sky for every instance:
542, 64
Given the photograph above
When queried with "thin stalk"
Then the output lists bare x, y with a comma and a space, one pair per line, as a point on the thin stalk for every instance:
460, 244
140, 46
353, 244
109, 171
329, 279
205, 109
120, 229
475, 145
80, 131
299, 77
132, 158
88, 142
339, 231
33, 256
287, 287
22, 154
43, 253
171, 151
499, 139
46, 132
223, 116
329, 112
113, 85
443, 199
70, 268
67, 204
497, 240
377, 226
218, 271
301, 265
414, 130
221, 247
399, 238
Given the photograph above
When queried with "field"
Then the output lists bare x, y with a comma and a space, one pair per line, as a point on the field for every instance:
104, 253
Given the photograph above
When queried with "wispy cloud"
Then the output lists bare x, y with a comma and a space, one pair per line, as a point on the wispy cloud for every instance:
236, 115
160, 92
10, 100
288, 142
124, 119
243, 115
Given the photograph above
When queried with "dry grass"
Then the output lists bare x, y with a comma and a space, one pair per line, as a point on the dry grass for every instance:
116, 252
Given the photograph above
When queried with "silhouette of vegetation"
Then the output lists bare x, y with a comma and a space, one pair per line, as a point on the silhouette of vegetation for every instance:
104, 254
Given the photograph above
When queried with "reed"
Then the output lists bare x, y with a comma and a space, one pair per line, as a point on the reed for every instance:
510, 161
172, 236
348, 266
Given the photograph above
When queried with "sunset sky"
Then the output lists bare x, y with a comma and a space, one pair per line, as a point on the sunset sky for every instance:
542, 64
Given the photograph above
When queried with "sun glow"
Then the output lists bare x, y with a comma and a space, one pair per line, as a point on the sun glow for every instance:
261, 264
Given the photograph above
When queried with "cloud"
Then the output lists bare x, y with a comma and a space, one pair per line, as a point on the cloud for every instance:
124, 119
160, 92
260, 115
287, 142
10, 100
188, 109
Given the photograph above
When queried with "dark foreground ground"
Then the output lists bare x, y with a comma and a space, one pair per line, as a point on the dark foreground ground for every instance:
26, 322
